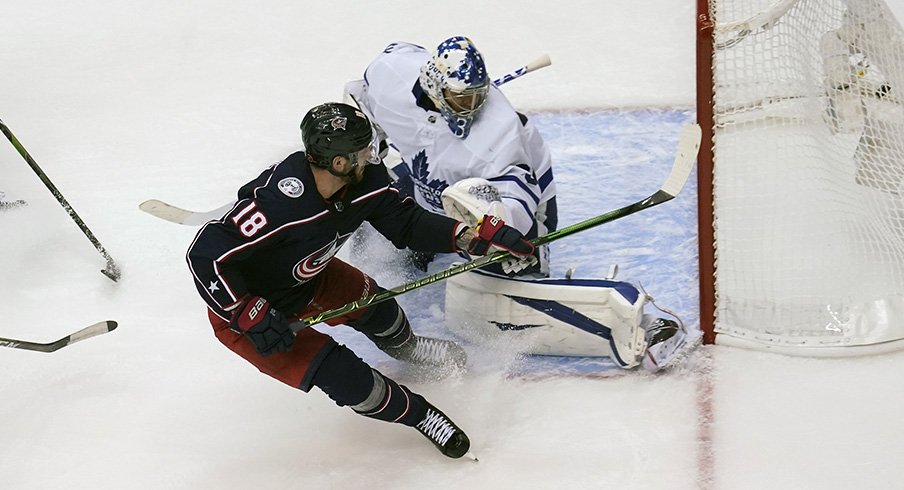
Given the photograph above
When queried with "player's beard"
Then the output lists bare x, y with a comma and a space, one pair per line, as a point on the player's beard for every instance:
355, 176
352, 177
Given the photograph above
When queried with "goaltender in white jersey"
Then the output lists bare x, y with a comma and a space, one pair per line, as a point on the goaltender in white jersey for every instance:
450, 126
467, 153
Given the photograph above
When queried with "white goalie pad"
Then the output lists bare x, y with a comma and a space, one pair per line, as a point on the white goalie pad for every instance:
468, 200
567, 317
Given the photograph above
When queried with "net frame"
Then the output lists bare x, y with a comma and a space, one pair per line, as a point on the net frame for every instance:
824, 153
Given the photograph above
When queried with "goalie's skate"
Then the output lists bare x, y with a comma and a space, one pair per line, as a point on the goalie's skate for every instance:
444, 434
667, 344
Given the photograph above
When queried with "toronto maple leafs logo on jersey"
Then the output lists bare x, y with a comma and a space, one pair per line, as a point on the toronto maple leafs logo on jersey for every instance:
311, 265
430, 189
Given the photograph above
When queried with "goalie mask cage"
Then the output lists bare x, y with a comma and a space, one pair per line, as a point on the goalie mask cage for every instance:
801, 175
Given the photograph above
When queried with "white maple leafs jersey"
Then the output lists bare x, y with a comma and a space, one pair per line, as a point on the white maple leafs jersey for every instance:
500, 147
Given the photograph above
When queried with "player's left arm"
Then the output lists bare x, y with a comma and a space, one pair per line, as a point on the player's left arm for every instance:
408, 225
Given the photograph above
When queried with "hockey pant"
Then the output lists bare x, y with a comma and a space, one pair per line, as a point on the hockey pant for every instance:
337, 285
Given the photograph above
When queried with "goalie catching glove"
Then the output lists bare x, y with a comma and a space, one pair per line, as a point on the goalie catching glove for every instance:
493, 234
266, 328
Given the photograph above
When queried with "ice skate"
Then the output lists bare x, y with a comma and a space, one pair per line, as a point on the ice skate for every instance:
430, 359
429, 352
444, 434
667, 344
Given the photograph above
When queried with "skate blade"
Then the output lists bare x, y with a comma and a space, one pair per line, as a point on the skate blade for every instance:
690, 342
470, 455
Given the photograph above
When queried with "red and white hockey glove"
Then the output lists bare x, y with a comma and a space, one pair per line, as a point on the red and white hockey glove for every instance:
265, 327
492, 232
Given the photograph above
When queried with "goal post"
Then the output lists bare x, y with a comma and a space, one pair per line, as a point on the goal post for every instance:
801, 175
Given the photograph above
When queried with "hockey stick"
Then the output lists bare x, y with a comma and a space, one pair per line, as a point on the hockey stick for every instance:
112, 270
541, 62
175, 214
181, 216
85, 333
688, 145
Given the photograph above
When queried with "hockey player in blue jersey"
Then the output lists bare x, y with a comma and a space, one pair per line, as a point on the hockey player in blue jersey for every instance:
271, 260
457, 133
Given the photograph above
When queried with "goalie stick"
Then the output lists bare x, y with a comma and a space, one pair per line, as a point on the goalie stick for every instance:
175, 214
541, 62
688, 145
85, 333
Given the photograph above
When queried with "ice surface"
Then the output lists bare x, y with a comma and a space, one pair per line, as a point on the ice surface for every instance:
185, 100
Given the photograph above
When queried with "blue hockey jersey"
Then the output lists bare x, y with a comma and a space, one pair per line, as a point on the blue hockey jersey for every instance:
281, 233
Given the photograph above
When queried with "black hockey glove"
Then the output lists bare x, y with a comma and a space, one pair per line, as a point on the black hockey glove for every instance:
493, 232
265, 327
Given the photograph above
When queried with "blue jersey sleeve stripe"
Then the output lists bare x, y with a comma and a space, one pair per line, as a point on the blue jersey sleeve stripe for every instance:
523, 205
545, 179
521, 183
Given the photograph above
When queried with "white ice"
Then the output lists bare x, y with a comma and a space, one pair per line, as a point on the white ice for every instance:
122, 101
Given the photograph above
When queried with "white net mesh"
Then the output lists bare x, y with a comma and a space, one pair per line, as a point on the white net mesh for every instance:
808, 173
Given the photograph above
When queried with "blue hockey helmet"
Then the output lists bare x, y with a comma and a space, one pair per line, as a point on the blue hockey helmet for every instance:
455, 78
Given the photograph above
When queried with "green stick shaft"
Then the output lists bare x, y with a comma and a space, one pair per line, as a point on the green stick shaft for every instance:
493, 258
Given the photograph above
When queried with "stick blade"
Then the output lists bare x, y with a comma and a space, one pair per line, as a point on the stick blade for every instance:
93, 330
98, 328
175, 214
688, 147
165, 211
85, 333
112, 271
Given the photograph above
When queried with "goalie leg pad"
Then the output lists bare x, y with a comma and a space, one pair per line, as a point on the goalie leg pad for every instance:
549, 316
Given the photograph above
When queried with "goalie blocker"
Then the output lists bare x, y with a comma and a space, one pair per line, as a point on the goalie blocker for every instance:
568, 317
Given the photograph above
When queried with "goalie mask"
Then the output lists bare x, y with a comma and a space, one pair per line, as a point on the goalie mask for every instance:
455, 78
335, 129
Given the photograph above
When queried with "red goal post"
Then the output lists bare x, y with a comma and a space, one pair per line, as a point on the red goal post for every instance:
801, 175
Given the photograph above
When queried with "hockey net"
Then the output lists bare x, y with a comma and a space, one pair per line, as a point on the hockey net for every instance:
806, 145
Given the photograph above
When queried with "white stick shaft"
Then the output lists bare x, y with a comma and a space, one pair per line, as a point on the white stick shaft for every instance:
541, 62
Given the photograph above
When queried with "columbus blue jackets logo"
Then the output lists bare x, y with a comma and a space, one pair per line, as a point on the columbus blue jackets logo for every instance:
311, 265
291, 187
339, 122
430, 189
